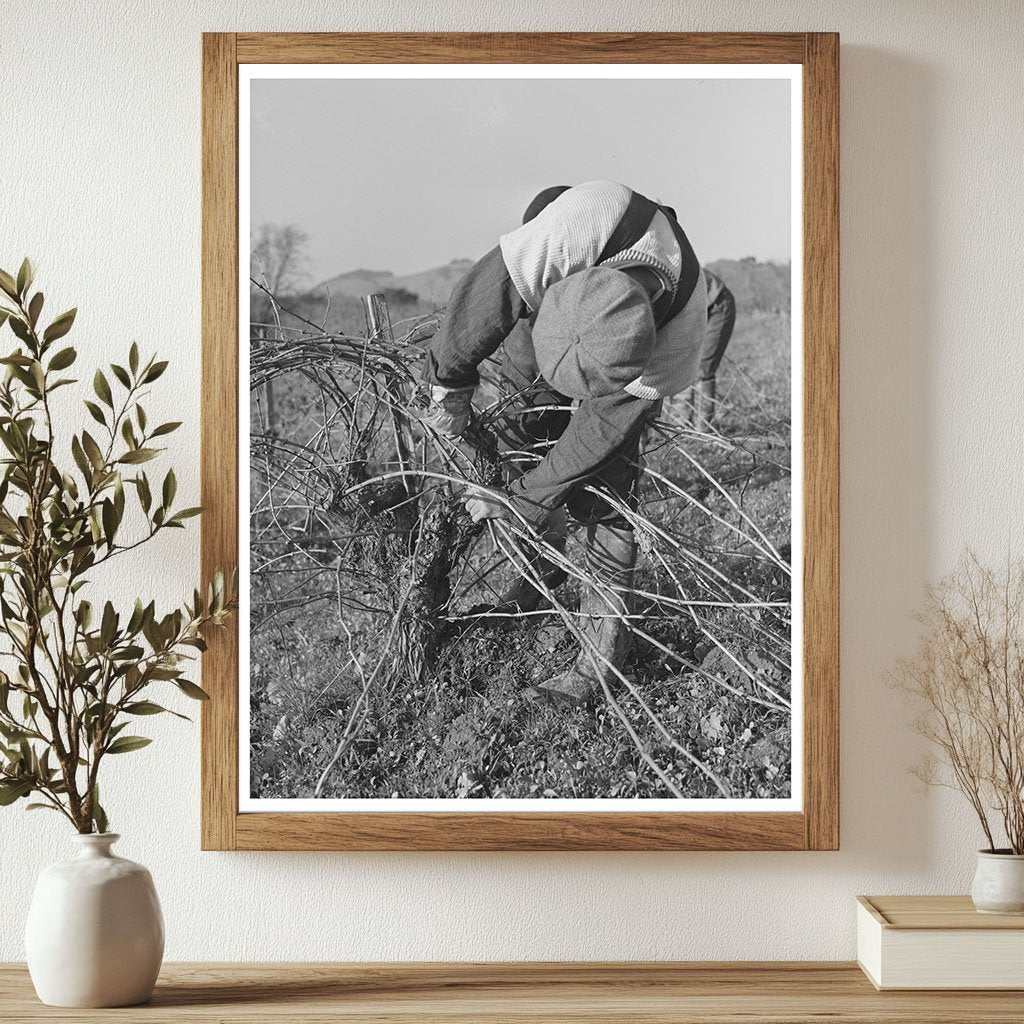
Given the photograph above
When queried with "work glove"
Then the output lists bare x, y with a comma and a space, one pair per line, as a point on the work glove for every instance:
450, 410
482, 504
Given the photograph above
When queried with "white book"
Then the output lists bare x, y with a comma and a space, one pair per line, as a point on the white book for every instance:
938, 942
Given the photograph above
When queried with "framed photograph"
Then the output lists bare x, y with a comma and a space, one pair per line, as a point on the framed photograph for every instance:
520, 421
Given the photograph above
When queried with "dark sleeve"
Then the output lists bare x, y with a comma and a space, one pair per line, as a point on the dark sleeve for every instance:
482, 310
600, 430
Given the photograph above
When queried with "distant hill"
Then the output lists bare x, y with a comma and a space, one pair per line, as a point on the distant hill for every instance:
756, 286
431, 286
355, 283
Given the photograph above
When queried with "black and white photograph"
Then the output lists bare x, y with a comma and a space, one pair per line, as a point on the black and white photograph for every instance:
520, 452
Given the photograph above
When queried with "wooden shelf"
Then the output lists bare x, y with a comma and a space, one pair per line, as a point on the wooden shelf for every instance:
658, 993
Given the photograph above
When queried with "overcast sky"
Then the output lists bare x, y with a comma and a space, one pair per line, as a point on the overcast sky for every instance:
405, 175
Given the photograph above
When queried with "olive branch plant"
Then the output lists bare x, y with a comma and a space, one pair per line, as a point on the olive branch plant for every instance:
74, 675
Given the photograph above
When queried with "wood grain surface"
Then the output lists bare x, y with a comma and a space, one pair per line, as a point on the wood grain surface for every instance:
219, 430
521, 48
943, 913
816, 827
489, 831
664, 993
821, 441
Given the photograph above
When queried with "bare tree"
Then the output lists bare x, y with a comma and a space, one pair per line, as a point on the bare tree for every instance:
279, 258
279, 265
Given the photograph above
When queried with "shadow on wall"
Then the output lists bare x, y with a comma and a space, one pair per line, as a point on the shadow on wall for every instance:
887, 280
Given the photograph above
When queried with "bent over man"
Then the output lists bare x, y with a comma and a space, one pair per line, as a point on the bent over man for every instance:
619, 311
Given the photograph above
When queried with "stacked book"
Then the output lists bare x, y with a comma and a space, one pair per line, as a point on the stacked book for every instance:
938, 942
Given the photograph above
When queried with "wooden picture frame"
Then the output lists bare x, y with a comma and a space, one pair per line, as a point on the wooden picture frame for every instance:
816, 826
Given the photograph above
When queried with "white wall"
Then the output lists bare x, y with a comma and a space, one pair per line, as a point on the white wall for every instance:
99, 165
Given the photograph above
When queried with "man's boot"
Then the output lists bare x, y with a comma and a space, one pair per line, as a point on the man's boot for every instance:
523, 595
611, 558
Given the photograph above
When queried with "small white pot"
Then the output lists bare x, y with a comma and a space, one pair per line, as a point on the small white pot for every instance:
95, 934
999, 882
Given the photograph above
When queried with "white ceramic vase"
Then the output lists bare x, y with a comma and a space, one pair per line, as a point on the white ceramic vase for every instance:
999, 883
95, 934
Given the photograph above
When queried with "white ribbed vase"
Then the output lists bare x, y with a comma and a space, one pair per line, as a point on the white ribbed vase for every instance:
999, 883
95, 933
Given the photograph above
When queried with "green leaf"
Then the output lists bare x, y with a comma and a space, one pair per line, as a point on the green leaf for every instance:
26, 274
99, 816
60, 326
79, 456
145, 497
12, 733
170, 488
8, 284
11, 791
20, 328
185, 513
63, 359
121, 374
128, 433
95, 412
17, 359
154, 372
126, 744
133, 357
151, 631
102, 388
147, 707
168, 673
95, 711
84, 614
165, 428
10, 442
138, 455
137, 616
140, 415
115, 730
92, 449
95, 528
191, 690
108, 626
143, 707
34, 308
41, 807
130, 653
109, 521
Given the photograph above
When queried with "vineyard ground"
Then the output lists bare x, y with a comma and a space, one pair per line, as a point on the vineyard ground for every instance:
467, 732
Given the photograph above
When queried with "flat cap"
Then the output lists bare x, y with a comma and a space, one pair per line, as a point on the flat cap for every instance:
594, 333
